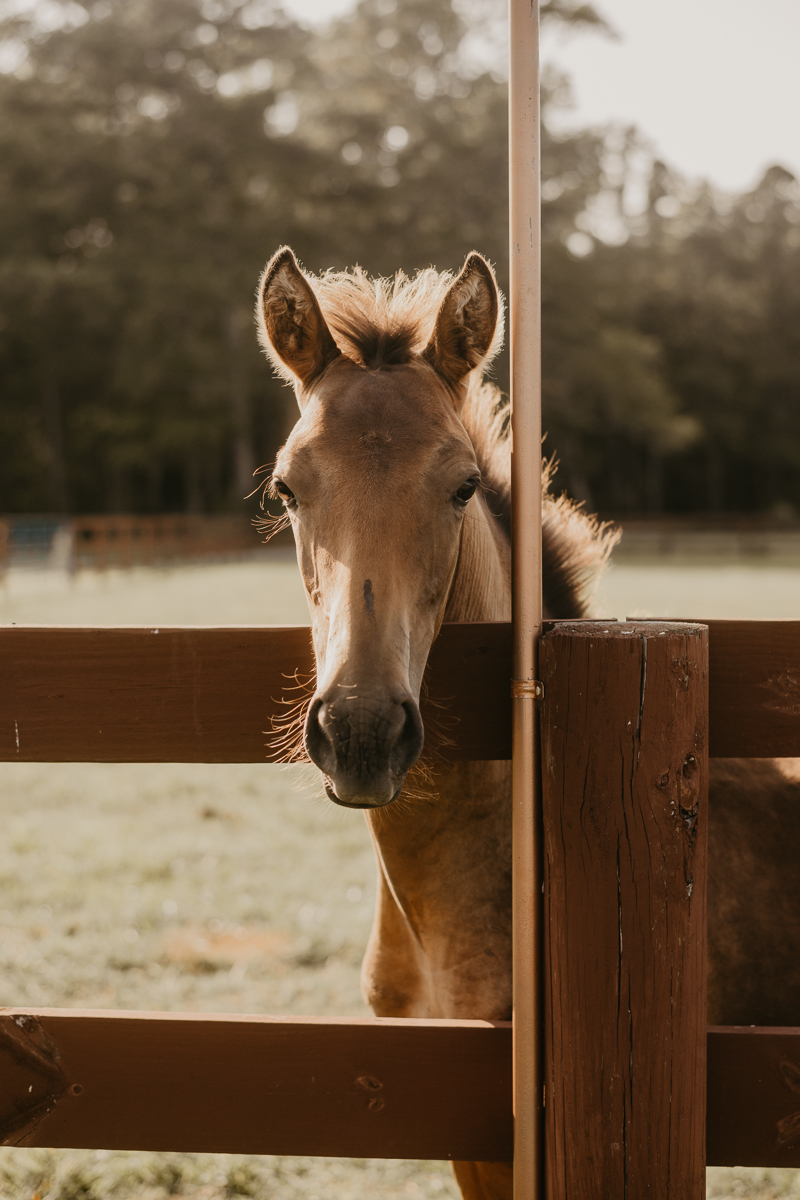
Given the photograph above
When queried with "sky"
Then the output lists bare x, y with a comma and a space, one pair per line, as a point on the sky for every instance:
715, 84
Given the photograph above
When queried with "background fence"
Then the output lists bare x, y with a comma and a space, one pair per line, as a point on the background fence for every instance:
100, 542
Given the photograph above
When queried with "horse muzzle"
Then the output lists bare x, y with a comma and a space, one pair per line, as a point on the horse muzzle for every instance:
364, 746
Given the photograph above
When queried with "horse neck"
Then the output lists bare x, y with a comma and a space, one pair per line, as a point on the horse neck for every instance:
444, 857
481, 589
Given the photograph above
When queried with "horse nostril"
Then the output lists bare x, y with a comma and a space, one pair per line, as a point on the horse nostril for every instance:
318, 743
365, 749
408, 746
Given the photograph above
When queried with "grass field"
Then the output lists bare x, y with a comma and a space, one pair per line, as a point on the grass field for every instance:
229, 888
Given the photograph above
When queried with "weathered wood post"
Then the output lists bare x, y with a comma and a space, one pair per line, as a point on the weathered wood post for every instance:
625, 783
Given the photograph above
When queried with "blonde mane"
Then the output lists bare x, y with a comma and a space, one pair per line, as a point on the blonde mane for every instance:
575, 545
381, 323
385, 322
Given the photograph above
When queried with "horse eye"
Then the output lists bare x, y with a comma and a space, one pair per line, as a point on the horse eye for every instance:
281, 490
466, 492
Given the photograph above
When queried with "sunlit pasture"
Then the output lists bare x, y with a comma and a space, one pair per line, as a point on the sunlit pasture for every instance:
268, 591
232, 888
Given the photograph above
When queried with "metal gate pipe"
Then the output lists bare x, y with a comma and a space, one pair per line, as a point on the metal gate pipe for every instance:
525, 344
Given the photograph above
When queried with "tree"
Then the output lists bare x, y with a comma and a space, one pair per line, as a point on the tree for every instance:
154, 153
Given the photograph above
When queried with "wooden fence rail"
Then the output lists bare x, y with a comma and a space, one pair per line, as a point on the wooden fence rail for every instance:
256, 1085
405, 1089
211, 694
303, 1085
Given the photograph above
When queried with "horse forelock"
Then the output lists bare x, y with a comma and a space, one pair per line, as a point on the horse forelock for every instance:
381, 322
386, 322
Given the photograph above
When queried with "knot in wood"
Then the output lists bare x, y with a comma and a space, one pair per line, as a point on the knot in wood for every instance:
369, 1083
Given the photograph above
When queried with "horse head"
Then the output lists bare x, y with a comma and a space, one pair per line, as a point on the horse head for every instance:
377, 478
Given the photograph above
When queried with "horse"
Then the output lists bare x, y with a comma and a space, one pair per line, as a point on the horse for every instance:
396, 482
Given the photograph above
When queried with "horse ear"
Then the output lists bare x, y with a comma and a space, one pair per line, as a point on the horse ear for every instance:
466, 322
291, 327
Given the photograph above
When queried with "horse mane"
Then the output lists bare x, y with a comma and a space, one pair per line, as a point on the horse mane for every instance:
575, 545
385, 322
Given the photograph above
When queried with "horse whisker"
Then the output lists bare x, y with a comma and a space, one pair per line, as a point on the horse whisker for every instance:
286, 743
270, 524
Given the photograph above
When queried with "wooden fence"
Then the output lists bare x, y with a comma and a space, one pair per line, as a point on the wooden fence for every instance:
625, 722
125, 540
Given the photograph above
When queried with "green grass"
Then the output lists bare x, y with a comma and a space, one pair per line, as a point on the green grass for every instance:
764, 1183
100, 1175
228, 888
181, 886
732, 590
185, 887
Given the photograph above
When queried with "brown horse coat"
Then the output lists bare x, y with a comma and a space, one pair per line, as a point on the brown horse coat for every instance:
396, 482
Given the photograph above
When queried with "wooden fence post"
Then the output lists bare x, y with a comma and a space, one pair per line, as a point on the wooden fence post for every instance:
625, 786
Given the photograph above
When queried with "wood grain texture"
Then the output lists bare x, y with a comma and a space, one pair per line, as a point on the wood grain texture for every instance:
256, 1085
210, 695
625, 777
754, 689
753, 1096
198, 1082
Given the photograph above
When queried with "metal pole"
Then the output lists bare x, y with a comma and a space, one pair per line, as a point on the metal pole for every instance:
525, 342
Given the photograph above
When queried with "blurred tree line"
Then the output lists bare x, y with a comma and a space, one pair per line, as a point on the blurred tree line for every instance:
154, 153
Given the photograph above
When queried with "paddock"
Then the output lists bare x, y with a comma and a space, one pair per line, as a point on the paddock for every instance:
268, 1085
608, 1080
